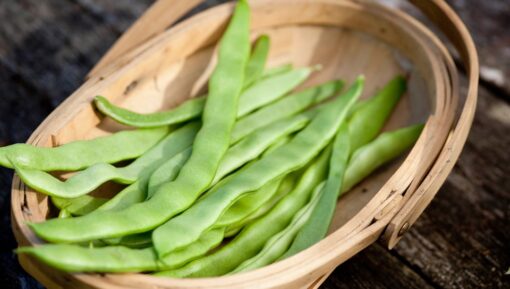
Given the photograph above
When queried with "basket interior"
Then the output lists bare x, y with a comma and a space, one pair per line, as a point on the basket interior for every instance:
341, 53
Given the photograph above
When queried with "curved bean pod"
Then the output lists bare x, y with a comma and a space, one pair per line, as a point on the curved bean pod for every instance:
316, 227
257, 61
233, 213
254, 144
78, 206
188, 226
279, 243
384, 148
246, 205
285, 187
370, 117
253, 237
284, 107
74, 258
277, 70
210, 145
91, 178
99, 150
367, 120
270, 89
258, 94
167, 172
243, 207
188, 110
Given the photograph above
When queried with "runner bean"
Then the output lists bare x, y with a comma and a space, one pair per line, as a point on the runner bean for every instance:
87, 180
279, 243
287, 106
188, 226
253, 237
257, 61
210, 145
81, 154
384, 148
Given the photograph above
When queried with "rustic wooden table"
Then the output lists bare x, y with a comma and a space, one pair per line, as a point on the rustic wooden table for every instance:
461, 241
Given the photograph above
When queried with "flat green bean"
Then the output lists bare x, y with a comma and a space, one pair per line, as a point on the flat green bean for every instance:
87, 180
257, 61
277, 70
79, 206
135, 193
285, 187
253, 237
211, 143
188, 226
81, 154
318, 223
74, 258
254, 144
365, 123
279, 243
167, 172
369, 118
384, 148
243, 207
260, 93
270, 89
287, 106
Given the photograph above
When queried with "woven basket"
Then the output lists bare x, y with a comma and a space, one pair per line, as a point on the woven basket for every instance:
151, 69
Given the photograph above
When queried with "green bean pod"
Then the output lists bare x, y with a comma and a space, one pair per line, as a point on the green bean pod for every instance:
91, 178
118, 259
78, 206
316, 227
81, 154
383, 149
285, 187
211, 143
190, 109
188, 226
270, 89
254, 144
287, 106
370, 117
260, 93
253, 237
257, 61
365, 123
167, 172
279, 243
277, 70
246, 205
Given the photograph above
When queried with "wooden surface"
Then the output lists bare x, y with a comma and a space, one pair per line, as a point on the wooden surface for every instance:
461, 241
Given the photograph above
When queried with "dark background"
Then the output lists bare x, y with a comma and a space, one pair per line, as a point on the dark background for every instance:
461, 241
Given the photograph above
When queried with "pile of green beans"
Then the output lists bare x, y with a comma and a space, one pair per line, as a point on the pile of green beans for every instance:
239, 178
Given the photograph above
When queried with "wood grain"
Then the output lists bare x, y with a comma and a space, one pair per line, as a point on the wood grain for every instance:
51, 44
489, 23
463, 239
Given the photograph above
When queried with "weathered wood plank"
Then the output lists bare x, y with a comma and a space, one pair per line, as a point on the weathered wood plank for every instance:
374, 268
21, 108
463, 239
52, 44
119, 14
488, 22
